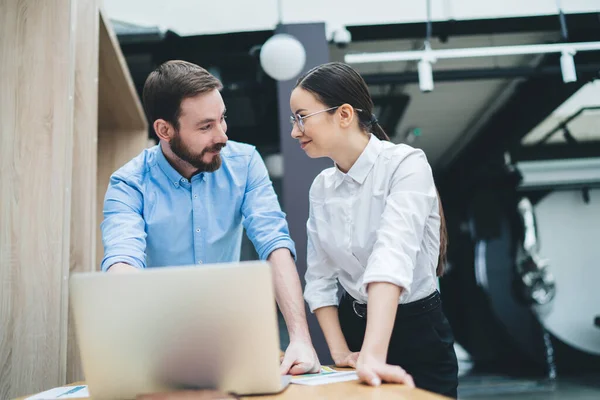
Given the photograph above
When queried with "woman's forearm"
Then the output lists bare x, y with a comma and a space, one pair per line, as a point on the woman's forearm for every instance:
330, 325
381, 314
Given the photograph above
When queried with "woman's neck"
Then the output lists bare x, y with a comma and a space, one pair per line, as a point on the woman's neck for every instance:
346, 154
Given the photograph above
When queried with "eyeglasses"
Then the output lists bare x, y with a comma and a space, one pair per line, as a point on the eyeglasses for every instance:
299, 119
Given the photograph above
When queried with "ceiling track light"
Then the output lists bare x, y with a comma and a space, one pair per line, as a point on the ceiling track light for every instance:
495, 51
424, 67
567, 51
427, 57
567, 67
425, 70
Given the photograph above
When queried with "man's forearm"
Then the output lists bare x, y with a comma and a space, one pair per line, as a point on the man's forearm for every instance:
288, 293
330, 325
381, 312
121, 267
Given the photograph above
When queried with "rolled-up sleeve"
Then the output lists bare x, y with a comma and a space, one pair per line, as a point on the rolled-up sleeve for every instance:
321, 288
408, 205
123, 227
264, 221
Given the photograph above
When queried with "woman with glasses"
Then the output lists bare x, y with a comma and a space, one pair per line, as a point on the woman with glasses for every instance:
376, 227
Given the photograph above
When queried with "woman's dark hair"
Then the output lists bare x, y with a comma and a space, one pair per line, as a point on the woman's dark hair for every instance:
335, 84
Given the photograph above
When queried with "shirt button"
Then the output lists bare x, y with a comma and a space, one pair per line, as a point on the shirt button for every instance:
183, 180
198, 230
195, 196
199, 261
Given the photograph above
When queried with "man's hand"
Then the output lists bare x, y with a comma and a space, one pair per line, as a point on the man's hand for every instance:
346, 359
300, 358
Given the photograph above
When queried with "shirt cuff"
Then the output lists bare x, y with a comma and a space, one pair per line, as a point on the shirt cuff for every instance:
266, 251
320, 303
400, 277
321, 293
110, 261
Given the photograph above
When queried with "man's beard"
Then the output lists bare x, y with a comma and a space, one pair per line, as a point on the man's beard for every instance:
196, 160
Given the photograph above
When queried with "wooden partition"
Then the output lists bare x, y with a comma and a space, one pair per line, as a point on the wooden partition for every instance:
122, 127
85, 127
69, 117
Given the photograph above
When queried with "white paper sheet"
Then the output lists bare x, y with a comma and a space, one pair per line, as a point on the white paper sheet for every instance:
326, 376
64, 392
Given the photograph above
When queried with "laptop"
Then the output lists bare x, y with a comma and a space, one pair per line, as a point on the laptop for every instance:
163, 329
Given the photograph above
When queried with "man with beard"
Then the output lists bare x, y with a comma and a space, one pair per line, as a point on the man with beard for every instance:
187, 200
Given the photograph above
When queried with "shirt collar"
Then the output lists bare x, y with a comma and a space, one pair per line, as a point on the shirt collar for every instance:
171, 173
363, 164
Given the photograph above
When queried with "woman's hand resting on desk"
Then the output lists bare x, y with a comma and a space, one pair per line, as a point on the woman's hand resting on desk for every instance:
345, 359
374, 371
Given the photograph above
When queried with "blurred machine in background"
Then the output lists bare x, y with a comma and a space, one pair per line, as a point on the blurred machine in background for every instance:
524, 256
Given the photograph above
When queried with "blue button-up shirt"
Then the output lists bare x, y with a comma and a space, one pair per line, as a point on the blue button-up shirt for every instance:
155, 217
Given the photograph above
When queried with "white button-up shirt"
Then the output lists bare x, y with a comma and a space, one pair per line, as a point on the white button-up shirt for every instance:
378, 223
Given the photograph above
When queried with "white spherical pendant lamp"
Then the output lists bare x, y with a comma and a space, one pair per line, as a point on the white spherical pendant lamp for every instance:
282, 57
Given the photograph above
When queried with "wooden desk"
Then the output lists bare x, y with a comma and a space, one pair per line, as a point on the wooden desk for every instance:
344, 390
352, 390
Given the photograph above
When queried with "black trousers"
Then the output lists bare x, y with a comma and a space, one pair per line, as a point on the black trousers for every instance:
421, 343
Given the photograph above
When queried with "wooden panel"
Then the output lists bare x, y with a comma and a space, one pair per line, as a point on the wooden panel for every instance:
115, 149
36, 123
119, 104
85, 136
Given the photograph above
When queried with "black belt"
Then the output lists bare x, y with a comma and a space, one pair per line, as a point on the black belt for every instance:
404, 310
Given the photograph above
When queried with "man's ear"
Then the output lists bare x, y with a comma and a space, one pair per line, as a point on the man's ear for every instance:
164, 130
